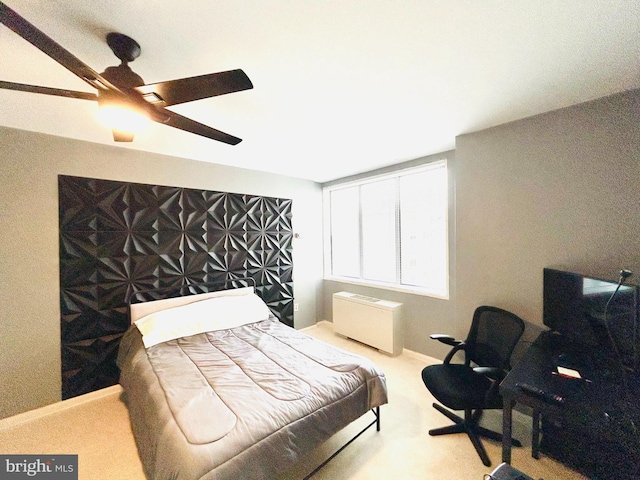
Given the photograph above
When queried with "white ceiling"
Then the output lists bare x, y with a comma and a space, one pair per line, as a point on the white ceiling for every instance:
340, 86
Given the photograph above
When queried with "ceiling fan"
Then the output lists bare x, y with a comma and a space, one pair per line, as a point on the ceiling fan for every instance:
122, 86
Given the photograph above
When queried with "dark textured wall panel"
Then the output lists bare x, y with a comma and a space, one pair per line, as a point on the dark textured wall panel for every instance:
117, 238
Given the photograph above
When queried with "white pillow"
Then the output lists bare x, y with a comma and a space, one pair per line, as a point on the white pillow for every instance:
217, 313
139, 310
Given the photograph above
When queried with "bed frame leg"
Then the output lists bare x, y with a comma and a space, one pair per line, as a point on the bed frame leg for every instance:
376, 422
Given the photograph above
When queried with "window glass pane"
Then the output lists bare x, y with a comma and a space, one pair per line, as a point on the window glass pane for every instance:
345, 232
391, 230
378, 204
423, 229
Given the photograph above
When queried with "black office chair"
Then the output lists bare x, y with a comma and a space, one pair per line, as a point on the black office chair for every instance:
472, 386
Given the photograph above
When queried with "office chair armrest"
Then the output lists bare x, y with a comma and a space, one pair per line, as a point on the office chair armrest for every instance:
448, 339
462, 346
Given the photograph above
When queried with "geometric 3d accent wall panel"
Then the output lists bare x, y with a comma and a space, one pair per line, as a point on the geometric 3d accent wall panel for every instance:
118, 238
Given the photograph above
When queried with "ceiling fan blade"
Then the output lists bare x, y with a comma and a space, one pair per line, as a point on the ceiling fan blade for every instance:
23, 87
173, 92
49, 46
183, 123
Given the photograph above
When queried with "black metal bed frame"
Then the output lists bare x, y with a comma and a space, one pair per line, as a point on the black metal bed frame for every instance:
376, 422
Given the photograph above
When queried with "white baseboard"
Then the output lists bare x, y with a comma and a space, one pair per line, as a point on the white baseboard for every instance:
420, 356
31, 415
317, 324
411, 353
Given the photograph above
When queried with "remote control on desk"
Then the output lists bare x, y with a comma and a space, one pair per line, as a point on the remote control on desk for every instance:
540, 393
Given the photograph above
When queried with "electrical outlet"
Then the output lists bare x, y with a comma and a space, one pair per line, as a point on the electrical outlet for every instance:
295, 307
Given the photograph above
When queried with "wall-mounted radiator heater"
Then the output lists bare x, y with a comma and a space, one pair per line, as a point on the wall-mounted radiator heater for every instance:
369, 320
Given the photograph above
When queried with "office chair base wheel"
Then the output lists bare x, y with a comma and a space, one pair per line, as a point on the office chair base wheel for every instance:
469, 425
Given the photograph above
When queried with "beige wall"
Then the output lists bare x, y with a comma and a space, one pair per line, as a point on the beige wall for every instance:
29, 284
560, 189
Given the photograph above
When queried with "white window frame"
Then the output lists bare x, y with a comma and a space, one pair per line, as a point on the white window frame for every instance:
326, 191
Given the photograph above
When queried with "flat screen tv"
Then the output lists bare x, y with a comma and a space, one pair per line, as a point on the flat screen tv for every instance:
574, 306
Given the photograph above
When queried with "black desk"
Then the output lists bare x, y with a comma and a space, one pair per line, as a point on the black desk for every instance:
599, 419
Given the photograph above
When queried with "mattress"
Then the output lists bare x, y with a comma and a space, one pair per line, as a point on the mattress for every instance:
245, 401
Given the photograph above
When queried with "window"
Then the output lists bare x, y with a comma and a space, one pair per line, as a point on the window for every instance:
390, 230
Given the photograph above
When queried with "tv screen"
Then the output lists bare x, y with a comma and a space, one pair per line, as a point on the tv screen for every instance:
574, 306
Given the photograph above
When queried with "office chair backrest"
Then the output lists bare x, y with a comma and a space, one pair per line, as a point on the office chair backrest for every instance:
493, 335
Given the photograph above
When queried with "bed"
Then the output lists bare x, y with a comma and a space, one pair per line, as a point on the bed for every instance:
217, 388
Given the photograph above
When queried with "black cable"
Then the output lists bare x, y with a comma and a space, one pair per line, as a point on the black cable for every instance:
635, 331
624, 274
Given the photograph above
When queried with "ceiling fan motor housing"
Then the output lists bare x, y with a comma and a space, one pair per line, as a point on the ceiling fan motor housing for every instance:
125, 48
123, 77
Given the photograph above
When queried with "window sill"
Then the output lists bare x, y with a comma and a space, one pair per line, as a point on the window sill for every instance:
386, 286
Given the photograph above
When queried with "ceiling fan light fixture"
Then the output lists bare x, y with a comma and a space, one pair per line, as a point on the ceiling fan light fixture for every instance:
122, 117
